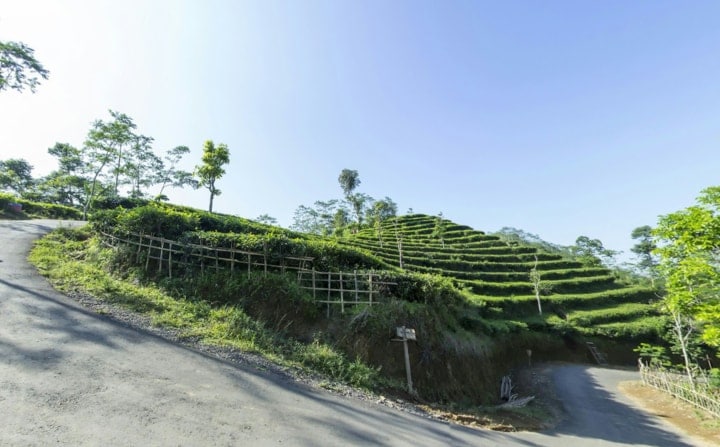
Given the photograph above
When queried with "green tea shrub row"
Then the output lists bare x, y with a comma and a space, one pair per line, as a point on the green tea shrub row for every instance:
38, 209
617, 313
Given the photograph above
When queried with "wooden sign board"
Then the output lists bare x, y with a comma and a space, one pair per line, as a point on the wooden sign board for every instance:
405, 333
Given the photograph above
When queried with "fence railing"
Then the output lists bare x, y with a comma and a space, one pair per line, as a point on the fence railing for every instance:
680, 387
163, 254
330, 288
343, 288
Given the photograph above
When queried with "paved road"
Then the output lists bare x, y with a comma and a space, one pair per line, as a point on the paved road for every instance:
71, 377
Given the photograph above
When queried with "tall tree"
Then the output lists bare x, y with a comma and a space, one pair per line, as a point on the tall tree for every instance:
689, 252
69, 158
266, 219
540, 287
592, 251
644, 248
349, 180
399, 229
15, 175
689, 283
95, 158
142, 167
18, 67
170, 175
382, 210
439, 230
305, 220
323, 218
340, 221
213, 159
66, 185
110, 140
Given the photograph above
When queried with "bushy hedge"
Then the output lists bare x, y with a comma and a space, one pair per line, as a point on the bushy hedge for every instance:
616, 314
327, 255
642, 329
153, 219
37, 209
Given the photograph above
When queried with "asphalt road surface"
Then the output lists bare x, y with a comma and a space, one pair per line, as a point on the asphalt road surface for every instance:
71, 377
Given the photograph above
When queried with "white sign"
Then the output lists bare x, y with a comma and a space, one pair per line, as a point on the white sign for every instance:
405, 333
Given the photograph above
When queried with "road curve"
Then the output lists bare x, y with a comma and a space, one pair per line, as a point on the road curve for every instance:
72, 377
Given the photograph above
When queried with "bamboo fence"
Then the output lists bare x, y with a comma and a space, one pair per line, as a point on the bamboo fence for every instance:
330, 288
343, 288
679, 386
163, 254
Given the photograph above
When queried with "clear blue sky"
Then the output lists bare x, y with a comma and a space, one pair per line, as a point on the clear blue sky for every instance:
563, 118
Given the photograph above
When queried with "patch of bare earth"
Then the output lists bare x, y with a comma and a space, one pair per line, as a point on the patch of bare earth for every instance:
691, 420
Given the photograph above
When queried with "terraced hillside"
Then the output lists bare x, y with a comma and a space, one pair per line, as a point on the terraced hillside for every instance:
582, 299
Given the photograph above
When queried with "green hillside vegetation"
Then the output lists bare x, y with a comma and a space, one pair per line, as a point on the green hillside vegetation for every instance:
12, 207
583, 300
468, 296
474, 286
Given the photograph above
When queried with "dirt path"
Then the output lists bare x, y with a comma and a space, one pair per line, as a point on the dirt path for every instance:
71, 377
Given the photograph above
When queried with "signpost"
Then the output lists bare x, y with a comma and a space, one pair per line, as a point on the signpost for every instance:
404, 334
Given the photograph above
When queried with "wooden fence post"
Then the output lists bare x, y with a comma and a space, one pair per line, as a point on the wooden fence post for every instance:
342, 299
162, 252
265, 256
370, 287
137, 255
147, 261
170, 260
356, 285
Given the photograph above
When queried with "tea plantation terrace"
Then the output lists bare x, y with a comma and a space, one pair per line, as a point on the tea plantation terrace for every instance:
586, 300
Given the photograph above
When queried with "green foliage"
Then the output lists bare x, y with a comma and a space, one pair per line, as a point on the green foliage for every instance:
645, 328
15, 175
256, 313
211, 169
432, 290
37, 209
688, 242
593, 252
653, 355
152, 219
644, 248
170, 175
323, 218
18, 67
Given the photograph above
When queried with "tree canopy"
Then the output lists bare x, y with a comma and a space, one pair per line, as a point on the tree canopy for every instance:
213, 159
18, 67
689, 252
15, 175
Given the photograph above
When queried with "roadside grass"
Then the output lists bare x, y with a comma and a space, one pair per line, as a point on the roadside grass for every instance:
75, 262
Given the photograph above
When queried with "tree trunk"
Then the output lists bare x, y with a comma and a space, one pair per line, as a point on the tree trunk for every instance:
117, 170
682, 339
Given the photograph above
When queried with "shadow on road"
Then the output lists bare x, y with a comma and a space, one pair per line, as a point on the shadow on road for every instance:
596, 412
